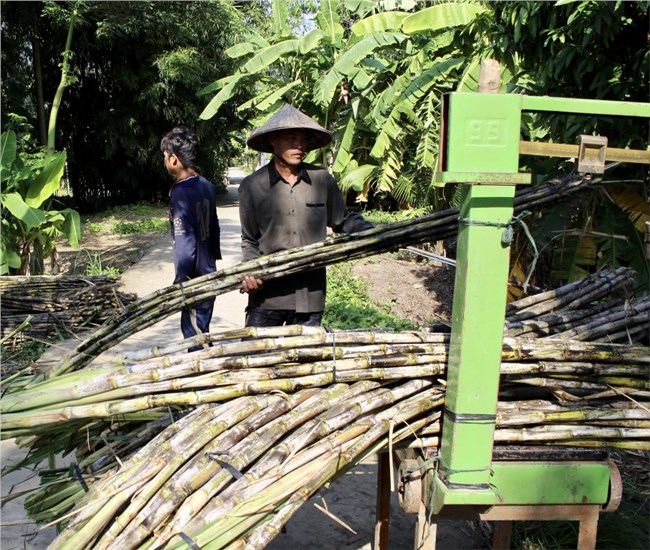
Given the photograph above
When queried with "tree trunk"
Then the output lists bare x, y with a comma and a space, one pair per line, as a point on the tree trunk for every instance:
38, 74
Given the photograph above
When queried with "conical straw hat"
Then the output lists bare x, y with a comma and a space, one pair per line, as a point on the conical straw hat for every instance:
289, 118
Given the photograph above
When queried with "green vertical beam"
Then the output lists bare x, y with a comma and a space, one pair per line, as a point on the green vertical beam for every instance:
482, 139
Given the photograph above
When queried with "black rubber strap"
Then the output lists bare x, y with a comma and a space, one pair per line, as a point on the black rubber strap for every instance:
460, 418
80, 477
234, 472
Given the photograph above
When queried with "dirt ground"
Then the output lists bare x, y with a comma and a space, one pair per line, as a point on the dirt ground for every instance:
420, 291
119, 251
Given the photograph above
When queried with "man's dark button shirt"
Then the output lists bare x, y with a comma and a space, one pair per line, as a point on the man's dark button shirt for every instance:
277, 216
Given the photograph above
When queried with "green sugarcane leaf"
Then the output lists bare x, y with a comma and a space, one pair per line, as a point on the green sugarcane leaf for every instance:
387, 21
8, 149
47, 182
31, 217
442, 16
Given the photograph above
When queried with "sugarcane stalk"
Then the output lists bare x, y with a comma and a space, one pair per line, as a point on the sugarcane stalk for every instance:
158, 496
303, 435
221, 531
323, 373
568, 431
160, 304
110, 377
368, 428
562, 416
625, 444
569, 296
608, 323
546, 325
172, 449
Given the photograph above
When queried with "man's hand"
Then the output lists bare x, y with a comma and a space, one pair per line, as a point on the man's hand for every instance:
251, 285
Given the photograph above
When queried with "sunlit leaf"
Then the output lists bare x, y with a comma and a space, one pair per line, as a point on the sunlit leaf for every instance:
280, 17
31, 217
48, 180
277, 95
387, 21
240, 50
312, 39
634, 205
441, 16
349, 61
224, 95
357, 177
328, 21
217, 85
266, 57
344, 154
72, 227
360, 7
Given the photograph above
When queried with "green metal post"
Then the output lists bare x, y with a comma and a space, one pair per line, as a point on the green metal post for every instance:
483, 138
482, 151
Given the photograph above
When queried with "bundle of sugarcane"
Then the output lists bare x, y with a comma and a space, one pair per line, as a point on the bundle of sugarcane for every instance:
234, 473
58, 305
158, 305
272, 367
290, 358
600, 306
238, 463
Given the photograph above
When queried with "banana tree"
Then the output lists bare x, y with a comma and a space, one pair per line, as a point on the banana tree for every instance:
29, 231
376, 83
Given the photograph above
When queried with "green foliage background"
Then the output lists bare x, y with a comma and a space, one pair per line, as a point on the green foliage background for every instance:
135, 71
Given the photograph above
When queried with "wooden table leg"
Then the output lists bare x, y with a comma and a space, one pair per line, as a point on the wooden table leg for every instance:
383, 502
588, 531
502, 535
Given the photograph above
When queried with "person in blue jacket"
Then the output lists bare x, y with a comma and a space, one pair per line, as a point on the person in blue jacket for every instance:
194, 223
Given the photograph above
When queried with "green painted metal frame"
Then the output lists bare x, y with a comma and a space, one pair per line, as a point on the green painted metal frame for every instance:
481, 133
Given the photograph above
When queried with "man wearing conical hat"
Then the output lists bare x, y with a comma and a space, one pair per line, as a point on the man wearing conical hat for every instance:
286, 204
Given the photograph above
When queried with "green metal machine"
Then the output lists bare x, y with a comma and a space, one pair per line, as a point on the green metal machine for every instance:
481, 148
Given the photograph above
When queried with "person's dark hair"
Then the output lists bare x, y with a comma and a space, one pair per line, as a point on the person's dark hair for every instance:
182, 142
